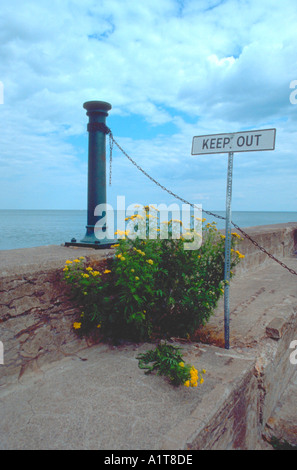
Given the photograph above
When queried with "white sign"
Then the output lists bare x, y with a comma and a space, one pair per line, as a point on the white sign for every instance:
249, 141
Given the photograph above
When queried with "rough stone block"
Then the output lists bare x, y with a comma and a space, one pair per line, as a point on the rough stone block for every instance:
275, 328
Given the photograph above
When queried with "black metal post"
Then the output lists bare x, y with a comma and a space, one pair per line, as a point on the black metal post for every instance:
97, 111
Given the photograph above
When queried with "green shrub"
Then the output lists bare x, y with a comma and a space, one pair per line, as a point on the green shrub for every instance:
167, 360
151, 288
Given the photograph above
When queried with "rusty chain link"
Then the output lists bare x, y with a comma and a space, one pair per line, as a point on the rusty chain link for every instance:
111, 141
261, 248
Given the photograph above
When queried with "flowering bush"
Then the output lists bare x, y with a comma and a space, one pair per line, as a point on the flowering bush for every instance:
167, 360
151, 288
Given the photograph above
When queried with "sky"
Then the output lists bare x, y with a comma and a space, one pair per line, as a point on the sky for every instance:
172, 70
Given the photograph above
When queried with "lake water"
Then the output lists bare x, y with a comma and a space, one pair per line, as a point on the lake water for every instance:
29, 228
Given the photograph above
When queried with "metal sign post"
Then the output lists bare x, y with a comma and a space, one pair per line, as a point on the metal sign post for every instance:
228, 250
248, 141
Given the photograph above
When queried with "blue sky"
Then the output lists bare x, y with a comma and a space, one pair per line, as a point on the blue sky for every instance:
171, 70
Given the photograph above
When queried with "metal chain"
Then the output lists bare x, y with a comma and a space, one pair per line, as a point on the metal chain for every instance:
193, 205
111, 141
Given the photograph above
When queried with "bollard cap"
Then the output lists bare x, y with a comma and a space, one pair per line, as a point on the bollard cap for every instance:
97, 106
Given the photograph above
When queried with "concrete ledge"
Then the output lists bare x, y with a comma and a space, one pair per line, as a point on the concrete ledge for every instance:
280, 240
44, 258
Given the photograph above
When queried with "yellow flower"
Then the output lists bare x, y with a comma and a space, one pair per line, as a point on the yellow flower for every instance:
236, 235
96, 273
107, 271
203, 371
240, 255
76, 325
201, 381
89, 268
122, 232
81, 257
150, 261
132, 270
99, 326
84, 275
76, 261
136, 278
68, 262
115, 246
123, 258
66, 269
194, 377
178, 221
139, 251
181, 364
187, 383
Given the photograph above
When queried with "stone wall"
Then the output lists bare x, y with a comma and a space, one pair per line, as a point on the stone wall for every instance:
36, 311
273, 369
36, 314
280, 240
36, 318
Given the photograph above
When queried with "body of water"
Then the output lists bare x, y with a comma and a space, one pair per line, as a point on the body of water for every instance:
29, 228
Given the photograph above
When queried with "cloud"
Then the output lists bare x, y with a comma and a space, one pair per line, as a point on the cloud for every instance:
175, 68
